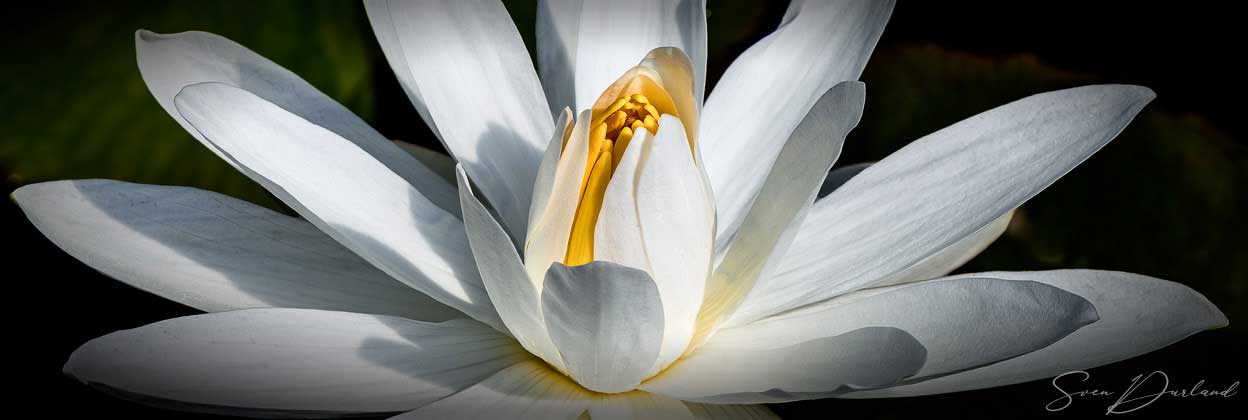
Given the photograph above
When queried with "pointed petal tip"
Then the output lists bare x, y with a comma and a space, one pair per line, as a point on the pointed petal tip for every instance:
1142, 94
1082, 312
23, 195
854, 85
143, 35
1087, 314
1217, 319
1210, 315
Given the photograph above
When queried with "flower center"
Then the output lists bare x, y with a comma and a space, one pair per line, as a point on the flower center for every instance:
638, 103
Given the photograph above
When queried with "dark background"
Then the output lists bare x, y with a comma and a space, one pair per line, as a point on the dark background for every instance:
1164, 199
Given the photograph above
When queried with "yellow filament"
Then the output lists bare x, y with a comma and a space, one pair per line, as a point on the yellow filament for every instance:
581, 241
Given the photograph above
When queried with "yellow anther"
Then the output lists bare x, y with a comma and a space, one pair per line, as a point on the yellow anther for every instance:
621, 142
651, 124
654, 112
581, 240
616, 120
635, 125
615, 106
640, 98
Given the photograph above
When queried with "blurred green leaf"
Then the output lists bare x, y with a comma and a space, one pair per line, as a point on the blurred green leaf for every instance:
76, 106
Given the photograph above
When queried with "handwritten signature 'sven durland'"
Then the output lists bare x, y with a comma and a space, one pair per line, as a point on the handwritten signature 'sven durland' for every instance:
1141, 392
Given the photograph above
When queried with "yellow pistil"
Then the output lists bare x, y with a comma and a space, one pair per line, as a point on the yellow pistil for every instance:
611, 130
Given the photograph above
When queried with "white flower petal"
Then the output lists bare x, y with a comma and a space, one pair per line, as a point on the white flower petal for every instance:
281, 361
784, 198
727, 373
525, 391
639, 405
612, 36
657, 216
950, 257
1138, 314
544, 184
171, 62
617, 234
464, 64
606, 320
558, 22
548, 236
731, 412
344, 191
942, 188
213, 252
511, 291
677, 216
680, 77
807, 245
963, 323
767, 91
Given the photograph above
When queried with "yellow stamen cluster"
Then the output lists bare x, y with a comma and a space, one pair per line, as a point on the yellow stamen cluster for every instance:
609, 135
620, 120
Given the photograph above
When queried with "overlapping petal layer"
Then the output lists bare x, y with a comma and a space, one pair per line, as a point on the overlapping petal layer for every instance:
294, 362
464, 66
1138, 314
940, 189
771, 87
171, 62
344, 191
213, 252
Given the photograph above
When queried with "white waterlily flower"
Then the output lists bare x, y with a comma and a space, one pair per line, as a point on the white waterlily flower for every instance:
642, 255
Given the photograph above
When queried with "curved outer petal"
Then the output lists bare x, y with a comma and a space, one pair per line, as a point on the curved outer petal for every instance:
943, 187
612, 36
767, 91
514, 296
530, 390
963, 323
169, 63
213, 252
1138, 314
731, 412
937, 265
729, 373
951, 257
525, 391
657, 216
786, 196
293, 362
548, 236
677, 216
680, 77
557, 24
606, 320
639, 405
345, 192
463, 63
617, 235
544, 184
